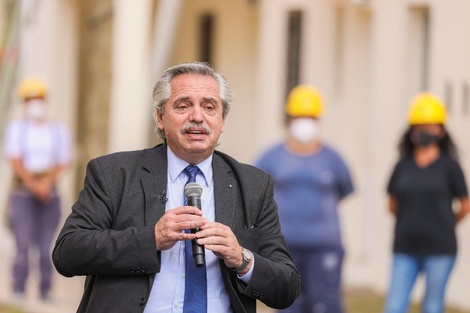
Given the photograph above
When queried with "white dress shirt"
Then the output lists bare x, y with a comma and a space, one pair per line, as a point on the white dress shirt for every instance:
167, 293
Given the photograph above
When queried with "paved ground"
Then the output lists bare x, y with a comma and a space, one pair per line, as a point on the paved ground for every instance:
66, 292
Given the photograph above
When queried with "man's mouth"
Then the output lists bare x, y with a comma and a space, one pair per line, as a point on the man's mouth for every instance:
195, 130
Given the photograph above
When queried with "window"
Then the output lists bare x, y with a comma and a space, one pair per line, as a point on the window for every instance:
206, 35
465, 98
418, 44
448, 95
293, 49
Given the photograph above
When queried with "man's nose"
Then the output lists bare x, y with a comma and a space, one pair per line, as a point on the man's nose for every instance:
196, 114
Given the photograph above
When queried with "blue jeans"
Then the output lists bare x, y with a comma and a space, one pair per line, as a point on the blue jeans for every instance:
320, 274
405, 270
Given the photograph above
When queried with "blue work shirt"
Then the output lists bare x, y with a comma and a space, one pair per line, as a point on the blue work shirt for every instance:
307, 189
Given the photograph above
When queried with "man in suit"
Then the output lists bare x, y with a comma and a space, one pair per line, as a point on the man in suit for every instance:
126, 232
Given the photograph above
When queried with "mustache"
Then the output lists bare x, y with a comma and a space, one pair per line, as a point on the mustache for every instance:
198, 126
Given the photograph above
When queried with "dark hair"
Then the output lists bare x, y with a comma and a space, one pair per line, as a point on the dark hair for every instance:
446, 144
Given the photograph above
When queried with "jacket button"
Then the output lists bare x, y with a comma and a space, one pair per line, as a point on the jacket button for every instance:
142, 301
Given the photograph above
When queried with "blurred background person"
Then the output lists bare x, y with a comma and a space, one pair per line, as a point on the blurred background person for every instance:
422, 189
38, 149
310, 179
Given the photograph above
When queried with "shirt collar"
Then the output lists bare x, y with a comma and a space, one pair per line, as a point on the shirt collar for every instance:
177, 165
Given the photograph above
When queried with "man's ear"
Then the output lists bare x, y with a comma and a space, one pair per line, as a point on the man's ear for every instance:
223, 126
159, 119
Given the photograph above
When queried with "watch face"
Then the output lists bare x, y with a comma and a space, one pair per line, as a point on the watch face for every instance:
246, 254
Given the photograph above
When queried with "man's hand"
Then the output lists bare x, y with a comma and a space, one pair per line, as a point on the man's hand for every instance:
169, 229
220, 239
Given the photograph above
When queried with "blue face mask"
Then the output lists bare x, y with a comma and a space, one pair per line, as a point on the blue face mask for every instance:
423, 139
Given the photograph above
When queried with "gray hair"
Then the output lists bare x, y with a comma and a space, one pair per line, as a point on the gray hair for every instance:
162, 89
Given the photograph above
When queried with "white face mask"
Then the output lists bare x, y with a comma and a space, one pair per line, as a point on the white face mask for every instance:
36, 109
304, 129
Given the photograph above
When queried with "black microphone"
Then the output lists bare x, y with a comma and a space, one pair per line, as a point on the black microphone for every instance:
193, 192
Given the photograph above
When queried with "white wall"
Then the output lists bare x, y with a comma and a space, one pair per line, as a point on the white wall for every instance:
130, 110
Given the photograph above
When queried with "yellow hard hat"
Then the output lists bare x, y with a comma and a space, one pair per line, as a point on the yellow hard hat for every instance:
32, 87
426, 108
304, 100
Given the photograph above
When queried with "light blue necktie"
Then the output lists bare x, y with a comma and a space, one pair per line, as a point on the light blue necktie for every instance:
195, 291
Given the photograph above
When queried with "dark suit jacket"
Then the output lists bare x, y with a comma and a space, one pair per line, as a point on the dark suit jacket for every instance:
109, 236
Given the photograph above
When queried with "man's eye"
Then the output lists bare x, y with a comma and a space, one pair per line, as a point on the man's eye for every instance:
210, 108
181, 108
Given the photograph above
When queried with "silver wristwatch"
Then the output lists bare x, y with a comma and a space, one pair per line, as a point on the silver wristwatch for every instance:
247, 257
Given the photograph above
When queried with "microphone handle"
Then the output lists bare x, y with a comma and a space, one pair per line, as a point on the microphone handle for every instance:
198, 250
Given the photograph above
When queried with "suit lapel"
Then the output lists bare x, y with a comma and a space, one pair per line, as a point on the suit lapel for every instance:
154, 183
225, 191
225, 198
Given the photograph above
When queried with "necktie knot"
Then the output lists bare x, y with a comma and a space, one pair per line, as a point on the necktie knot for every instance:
191, 171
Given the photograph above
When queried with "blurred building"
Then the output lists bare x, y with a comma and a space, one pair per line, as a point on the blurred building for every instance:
369, 57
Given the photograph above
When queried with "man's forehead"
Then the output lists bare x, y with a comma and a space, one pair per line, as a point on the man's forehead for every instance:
191, 78
190, 85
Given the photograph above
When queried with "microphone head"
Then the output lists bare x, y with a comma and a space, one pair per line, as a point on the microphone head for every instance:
192, 190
